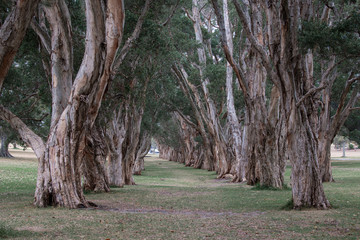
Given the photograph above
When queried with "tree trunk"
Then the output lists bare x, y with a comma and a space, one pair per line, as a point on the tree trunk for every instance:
115, 136
62, 184
222, 164
26, 134
143, 149
12, 33
307, 188
4, 150
61, 55
131, 144
232, 118
95, 153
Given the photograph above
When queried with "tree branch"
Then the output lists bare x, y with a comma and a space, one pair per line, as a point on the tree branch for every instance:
188, 14
310, 92
27, 135
171, 14
130, 41
256, 45
237, 69
42, 34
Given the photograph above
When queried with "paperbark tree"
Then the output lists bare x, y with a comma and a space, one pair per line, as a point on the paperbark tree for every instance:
261, 161
4, 149
143, 149
94, 158
334, 57
232, 117
61, 185
291, 72
222, 164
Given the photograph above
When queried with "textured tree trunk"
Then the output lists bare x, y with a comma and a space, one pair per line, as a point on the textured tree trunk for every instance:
95, 153
115, 136
207, 161
143, 149
222, 164
4, 150
307, 188
259, 156
187, 134
26, 134
62, 184
131, 144
58, 16
13, 31
232, 118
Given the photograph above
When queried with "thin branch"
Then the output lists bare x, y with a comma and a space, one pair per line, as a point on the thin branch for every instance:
42, 34
171, 14
130, 41
309, 93
256, 45
354, 108
237, 69
188, 14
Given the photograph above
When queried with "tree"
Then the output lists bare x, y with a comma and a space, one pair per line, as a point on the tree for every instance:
60, 182
338, 86
12, 32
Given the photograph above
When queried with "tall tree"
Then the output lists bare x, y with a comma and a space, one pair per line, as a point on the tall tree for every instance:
60, 183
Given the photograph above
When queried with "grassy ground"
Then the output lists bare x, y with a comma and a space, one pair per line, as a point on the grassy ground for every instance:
174, 202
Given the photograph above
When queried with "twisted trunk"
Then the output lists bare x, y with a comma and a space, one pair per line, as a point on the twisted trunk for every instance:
62, 184
143, 149
131, 144
4, 150
115, 136
93, 169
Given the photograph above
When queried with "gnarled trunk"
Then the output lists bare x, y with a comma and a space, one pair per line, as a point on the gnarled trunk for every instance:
62, 184
93, 169
4, 150
143, 149
131, 144
115, 136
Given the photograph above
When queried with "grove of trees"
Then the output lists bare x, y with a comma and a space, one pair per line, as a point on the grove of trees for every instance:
242, 88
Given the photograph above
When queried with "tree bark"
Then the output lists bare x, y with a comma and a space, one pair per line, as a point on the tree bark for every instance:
143, 149
12, 33
61, 55
260, 160
4, 150
95, 153
222, 164
232, 118
27, 135
115, 136
66, 140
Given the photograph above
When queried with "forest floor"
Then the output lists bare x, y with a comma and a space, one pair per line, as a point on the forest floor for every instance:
171, 201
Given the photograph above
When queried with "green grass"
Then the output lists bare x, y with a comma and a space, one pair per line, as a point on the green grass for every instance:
171, 201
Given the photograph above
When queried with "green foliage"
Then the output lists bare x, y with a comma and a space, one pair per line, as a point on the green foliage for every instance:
341, 38
351, 146
26, 90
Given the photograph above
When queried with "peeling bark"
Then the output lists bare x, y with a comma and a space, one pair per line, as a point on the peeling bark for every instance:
143, 149
93, 168
66, 142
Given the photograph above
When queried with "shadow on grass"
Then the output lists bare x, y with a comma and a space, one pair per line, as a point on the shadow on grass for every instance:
9, 232
259, 187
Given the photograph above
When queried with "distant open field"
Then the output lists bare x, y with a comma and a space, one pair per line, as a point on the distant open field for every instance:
171, 201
